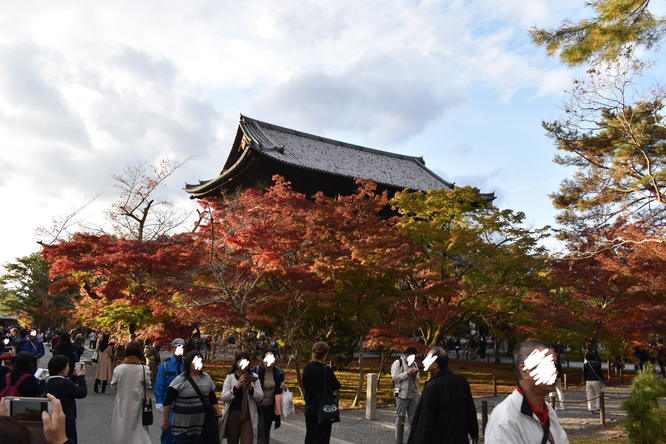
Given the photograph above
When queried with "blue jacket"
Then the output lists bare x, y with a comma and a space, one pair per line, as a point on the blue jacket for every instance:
167, 372
34, 346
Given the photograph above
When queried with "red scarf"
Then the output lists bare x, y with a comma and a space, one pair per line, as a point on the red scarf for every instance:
542, 414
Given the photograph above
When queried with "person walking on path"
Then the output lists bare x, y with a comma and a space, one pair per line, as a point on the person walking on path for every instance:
67, 390
130, 378
317, 379
271, 379
558, 382
92, 338
191, 410
524, 417
445, 413
241, 393
166, 373
405, 374
594, 378
21, 380
105, 355
32, 344
65, 347
152, 355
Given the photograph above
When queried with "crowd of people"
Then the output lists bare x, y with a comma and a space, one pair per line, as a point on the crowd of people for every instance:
440, 410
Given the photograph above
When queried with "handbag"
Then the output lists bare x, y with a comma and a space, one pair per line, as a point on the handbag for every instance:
328, 407
210, 433
147, 408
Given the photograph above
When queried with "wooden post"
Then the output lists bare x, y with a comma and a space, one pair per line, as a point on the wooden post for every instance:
371, 397
484, 417
566, 386
494, 385
602, 408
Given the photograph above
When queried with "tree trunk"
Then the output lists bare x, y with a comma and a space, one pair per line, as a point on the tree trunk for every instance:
299, 379
436, 337
359, 389
497, 348
384, 356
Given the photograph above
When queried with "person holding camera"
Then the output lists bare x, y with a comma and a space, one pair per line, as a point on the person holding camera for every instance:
67, 390
241, 392
405, 374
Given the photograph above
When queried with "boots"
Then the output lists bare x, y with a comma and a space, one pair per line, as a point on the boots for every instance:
103, 386
96, 389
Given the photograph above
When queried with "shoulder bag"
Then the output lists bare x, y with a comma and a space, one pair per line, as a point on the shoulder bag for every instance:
210, 433
328, 406
147, 409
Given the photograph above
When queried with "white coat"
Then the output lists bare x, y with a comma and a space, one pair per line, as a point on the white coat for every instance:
512, 422
228, 396
126, 423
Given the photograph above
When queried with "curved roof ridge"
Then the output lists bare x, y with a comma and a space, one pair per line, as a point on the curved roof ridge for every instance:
259, 123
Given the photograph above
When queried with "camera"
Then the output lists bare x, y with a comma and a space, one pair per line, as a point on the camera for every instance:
396, 391
27, 409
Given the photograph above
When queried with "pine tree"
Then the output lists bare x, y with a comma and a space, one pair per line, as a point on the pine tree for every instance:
646, 420
616, 29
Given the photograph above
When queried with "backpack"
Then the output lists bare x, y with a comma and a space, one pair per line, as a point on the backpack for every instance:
12, 390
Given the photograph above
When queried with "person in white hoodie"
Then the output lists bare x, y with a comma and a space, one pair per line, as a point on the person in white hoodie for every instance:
524, 417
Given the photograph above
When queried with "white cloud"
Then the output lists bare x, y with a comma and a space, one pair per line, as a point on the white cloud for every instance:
89, 87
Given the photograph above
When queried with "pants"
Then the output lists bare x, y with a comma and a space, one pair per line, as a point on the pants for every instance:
97, 381
266, 417
316, 433
558, 390
93, 344
405, 407
662, 367
70, 430
593, 390
237, 431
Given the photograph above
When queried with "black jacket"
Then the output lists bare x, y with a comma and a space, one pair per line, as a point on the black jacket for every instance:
592, 371
316, 378
68, 391
278, 377
446, 413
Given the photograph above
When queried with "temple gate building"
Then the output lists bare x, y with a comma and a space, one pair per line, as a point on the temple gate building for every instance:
312, 163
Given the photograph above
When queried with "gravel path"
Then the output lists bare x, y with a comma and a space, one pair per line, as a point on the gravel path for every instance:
94, 416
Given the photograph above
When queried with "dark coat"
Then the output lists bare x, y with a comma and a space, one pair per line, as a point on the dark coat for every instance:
592, 371
68, 391
446, 413
278, 377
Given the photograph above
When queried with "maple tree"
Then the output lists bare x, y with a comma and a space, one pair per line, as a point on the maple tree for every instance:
472, 262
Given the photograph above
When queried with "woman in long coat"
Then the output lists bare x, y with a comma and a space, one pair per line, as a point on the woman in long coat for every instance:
104, 371
240, 393
129, 378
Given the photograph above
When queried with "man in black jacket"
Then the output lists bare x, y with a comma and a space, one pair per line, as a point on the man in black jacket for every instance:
67, 390
446, 413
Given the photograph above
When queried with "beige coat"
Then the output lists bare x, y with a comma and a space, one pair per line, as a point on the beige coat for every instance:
228, 396
104, 371
126, 425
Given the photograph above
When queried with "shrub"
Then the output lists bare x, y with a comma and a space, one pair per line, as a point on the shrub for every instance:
646, 421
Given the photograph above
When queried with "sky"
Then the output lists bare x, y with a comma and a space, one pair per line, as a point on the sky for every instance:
90, 87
